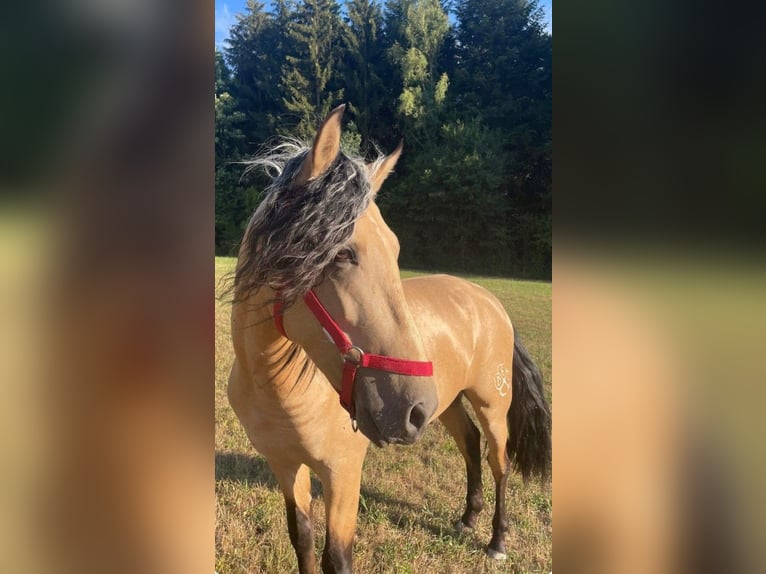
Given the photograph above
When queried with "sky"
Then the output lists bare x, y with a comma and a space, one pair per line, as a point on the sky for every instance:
226, 10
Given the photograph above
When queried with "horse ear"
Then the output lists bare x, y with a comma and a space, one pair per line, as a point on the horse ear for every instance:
379, 174
325, 148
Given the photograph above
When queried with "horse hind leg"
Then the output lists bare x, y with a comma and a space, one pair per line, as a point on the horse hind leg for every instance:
468, 439
496, 548
295, 483
493, 420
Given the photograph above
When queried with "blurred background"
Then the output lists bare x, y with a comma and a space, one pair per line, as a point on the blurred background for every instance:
107, 263
658, 288
107, 247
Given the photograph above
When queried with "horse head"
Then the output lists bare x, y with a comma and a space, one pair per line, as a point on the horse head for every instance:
333, 264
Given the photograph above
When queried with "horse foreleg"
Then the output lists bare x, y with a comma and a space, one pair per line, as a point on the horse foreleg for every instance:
468, 439
295, 483
341, 494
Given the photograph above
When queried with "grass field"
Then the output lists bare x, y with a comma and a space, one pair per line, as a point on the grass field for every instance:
411, 496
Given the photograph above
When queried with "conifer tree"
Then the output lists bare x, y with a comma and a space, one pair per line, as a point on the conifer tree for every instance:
505, 58
364, 64
255, 69
505, 79
308, 77
229, 139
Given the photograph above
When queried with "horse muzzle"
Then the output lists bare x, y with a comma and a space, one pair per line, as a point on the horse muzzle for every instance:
388, 417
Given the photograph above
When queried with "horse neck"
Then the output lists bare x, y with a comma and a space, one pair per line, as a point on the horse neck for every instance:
269, 357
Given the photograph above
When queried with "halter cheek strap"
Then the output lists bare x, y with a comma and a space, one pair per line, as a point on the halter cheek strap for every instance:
353, 356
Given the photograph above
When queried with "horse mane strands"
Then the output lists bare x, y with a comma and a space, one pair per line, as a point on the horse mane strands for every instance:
375, 164
297, 230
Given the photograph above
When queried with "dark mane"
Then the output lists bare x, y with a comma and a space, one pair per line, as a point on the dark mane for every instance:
297, 230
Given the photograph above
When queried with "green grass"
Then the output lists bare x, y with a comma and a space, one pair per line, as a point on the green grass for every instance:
411, 497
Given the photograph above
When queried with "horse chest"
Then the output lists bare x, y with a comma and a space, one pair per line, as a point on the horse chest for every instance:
296, 421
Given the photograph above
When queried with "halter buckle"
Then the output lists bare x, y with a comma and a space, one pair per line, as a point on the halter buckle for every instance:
353, 355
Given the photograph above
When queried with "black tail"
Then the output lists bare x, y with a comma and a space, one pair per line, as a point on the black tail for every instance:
529, 418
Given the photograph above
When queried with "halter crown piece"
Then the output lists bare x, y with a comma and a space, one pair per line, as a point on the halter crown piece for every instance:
353, 357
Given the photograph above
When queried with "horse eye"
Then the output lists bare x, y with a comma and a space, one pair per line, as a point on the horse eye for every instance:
345, 256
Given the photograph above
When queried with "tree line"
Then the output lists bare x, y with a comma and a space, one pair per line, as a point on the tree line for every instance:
467, 85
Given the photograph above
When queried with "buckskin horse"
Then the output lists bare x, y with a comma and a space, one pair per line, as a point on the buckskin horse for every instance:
319, 310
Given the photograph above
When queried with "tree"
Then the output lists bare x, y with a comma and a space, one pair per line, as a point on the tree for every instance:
222, 74
505, 73
505, 55
308, 77
364, 66
253, 52
229, 197
449, 208
418, 33
505, 79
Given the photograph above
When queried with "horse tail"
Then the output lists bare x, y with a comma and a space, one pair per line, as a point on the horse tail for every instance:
529, 418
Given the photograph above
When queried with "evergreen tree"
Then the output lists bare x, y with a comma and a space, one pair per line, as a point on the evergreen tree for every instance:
229, 138
449, 208
505, 56
308, 78
364, 64
504, 78
505, 75
222, 74
255, 61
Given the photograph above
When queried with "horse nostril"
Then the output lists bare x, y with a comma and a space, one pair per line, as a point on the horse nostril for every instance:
417, 419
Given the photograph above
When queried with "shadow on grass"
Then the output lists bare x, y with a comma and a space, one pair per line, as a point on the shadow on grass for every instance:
243, 468
255, 470
405, 515
400, 513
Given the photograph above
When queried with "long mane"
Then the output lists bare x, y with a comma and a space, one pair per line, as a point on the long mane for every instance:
297, 230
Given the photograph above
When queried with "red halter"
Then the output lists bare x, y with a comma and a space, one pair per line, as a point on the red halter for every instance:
353, 356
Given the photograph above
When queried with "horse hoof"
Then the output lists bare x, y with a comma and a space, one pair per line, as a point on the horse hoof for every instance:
495, 555
460, 527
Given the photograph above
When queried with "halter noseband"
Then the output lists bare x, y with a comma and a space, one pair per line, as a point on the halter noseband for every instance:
353, 356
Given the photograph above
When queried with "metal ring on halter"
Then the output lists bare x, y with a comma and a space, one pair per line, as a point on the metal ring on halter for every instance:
351, 355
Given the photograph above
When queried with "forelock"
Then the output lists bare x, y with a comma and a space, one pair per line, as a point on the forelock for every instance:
297, 230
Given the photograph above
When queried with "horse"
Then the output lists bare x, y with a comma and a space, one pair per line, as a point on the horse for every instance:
319, 311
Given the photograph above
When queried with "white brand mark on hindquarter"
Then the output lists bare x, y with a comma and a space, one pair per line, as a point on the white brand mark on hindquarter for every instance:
501, 380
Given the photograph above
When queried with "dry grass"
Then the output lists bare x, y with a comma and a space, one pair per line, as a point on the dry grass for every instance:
411, 496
